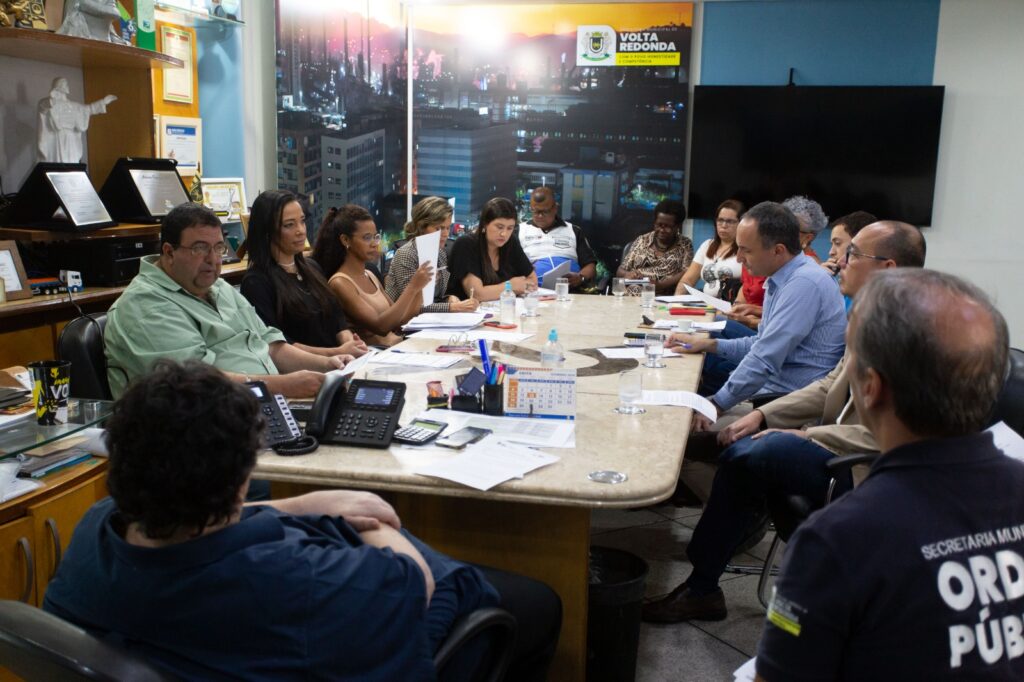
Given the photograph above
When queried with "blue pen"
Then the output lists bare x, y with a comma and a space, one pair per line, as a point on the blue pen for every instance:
494, 374
483, 356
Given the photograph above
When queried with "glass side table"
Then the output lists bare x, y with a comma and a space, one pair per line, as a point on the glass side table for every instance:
26, 434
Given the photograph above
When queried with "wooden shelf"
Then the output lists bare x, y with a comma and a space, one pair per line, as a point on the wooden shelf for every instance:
27, 234
44, 46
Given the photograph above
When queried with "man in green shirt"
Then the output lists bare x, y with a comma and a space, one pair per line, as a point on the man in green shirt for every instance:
179, 308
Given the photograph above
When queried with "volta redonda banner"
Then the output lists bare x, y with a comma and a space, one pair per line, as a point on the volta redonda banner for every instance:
604, 46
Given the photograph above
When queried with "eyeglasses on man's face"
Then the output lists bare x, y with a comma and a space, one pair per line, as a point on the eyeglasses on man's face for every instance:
852, 253
204, 249
543, 212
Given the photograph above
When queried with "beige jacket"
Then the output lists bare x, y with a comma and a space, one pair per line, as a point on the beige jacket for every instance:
827, 406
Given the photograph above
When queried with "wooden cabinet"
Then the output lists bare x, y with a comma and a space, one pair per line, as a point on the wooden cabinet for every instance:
17, 561
35, 529
53, 522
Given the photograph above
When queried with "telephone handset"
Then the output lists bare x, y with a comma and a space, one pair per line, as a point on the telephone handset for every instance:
281, 432
364, 413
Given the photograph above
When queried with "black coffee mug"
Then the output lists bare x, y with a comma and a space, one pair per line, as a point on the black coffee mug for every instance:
51, 388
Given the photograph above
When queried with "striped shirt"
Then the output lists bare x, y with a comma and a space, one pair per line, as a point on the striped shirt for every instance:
800, 338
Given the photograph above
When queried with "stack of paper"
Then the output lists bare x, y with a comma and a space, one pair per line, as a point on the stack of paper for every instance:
474, 335
718, 303
488, 463
680, 399
540, 433
452, 322
408, 359
685, 299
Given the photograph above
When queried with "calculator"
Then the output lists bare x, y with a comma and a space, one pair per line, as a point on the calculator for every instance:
420, 431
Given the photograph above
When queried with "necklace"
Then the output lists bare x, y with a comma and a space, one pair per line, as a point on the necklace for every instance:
291, 268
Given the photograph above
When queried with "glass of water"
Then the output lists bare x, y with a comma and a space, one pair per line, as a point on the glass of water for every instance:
631, 388
654, 348
647, 295
530, 300
618, 287
562, 289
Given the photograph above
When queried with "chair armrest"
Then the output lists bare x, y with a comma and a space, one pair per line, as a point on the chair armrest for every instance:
471, 625
765, 398
838, 465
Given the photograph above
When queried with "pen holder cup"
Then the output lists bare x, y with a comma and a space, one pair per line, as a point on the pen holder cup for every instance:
466, 403
494, 399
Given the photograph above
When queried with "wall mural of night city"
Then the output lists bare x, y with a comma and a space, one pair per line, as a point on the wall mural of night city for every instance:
590, 99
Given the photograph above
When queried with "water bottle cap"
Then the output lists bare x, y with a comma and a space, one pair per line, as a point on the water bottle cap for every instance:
508, 286
553, 335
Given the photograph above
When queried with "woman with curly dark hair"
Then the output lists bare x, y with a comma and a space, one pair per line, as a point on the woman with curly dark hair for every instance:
348, 239
288, 291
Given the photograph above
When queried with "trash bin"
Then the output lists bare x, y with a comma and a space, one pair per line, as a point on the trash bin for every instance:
617, 581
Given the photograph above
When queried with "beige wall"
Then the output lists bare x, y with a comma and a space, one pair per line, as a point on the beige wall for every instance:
978, 230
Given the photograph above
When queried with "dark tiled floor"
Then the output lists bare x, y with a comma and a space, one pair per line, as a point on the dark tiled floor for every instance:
686, 651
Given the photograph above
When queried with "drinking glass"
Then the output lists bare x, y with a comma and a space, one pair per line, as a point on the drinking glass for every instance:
631, 387
562, 289
530, 300
618, 287
654, 348
647, 295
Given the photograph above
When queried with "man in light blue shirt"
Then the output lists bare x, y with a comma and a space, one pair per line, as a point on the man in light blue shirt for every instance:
800, 338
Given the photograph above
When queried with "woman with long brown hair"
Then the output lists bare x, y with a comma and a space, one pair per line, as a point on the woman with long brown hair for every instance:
715, 261
484, 260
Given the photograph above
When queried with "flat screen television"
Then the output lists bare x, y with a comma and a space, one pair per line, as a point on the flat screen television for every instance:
848, 148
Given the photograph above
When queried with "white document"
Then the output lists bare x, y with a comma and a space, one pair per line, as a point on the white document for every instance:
683, 298
642, 280
544, 433
19, 487
552, 275
412, 359
717, 303
665, 324
746, 672
452, 321
680, 399
488, 463
709, 326
630, 353
355, 365
473, 335
1007, 440
545, 292
427, 246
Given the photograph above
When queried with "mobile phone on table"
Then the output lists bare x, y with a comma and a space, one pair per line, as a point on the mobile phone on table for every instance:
463, 437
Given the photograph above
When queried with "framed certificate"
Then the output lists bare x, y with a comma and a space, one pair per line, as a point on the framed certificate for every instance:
176, 42
225, 196
78, 198
12, 272
181, 139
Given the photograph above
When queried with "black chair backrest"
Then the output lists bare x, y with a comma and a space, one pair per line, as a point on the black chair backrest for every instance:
81, 344
37, 645
1010, 403
498, 626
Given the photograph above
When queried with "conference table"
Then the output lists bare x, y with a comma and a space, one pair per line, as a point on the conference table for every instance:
538, 525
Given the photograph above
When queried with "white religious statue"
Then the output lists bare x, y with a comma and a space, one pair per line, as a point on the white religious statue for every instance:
91, 19
62, 122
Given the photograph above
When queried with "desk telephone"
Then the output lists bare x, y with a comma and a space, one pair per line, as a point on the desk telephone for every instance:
346, 412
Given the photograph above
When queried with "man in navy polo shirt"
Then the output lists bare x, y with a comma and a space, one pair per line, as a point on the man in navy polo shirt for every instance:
919, 572
322, 586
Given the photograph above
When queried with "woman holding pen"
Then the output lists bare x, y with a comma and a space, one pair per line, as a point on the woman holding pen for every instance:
429, 215
484, 260
348, 239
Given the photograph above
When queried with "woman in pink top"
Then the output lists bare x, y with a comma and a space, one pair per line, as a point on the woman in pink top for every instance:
348, 239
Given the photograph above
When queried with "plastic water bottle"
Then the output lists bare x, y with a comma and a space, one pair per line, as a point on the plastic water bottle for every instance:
508, 305
551, 354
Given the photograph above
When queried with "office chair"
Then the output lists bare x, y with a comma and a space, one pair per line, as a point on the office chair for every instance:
789, 512
81, 344
37, 645
502, 628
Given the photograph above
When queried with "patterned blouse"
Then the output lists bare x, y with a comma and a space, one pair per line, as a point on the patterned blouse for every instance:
650, 262
404, 266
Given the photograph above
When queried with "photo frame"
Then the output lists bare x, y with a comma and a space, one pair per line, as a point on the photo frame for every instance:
181, 139
12, 271
225, 197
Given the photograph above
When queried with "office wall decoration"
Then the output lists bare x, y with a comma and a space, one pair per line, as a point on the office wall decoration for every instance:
176, 42
590, 99
181, 139
225, 196
92, 19
62, 122
12, 272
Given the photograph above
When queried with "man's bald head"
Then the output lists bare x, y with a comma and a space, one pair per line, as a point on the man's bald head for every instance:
939, 345
543, 207
902, 242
